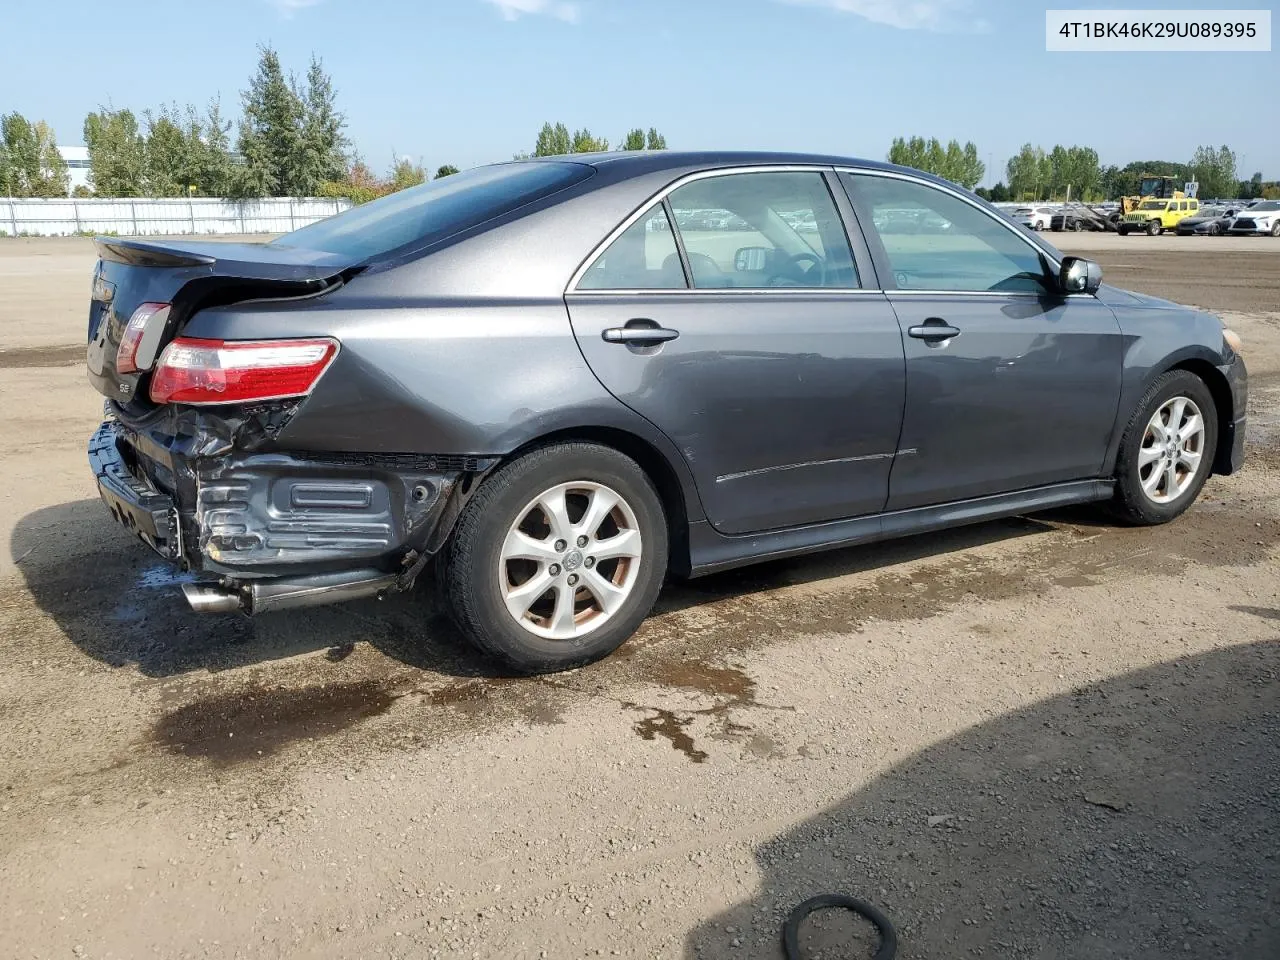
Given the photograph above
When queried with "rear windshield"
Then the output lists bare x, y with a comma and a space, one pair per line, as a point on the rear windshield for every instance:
435, 210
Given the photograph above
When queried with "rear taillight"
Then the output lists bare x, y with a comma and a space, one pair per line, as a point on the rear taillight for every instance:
239, 371
127, 360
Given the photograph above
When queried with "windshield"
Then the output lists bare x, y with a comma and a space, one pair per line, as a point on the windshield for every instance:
1153, 205
435, 210
1268, 205
1152, 186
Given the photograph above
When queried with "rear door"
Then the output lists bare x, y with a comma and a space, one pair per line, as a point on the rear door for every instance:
1010, 384
733, 316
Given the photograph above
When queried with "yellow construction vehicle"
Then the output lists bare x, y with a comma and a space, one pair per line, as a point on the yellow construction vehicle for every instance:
1150, 187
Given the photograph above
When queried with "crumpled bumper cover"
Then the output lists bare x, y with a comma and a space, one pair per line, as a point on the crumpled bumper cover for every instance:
266, 514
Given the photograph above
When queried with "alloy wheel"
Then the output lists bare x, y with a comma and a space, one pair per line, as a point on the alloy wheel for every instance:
570, 560
1172, 450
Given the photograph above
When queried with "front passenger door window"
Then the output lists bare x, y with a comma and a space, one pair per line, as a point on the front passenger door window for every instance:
936, 241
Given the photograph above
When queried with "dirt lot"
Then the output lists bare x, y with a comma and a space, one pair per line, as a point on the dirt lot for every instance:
1041, 738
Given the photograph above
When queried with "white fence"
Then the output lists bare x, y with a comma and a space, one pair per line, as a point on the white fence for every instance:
51, 218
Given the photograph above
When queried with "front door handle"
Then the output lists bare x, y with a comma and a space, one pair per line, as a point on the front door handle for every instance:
934, 330
641, 332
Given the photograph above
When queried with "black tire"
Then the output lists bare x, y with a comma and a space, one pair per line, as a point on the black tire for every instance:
1154, 228
1131, 504
469, 564
1123, 231
1275, 229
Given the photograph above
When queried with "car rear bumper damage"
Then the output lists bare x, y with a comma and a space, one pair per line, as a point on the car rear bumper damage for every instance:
274, 529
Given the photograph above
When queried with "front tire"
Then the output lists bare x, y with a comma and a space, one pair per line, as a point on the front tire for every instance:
557, 559
1275, 229
1167, 450
1154, 228
1123, 231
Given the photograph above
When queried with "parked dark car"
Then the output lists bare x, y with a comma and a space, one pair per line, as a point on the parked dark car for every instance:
1078, 219
1212, 222
511, 376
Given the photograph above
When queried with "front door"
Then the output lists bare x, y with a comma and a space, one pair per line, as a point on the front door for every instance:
752, 346
1010, 384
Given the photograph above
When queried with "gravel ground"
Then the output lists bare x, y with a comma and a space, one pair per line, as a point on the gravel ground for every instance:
1046, 737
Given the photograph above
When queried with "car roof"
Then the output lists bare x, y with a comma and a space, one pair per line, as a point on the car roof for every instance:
637, 162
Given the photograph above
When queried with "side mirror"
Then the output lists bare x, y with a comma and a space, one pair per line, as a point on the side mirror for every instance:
1079, 275
750, 259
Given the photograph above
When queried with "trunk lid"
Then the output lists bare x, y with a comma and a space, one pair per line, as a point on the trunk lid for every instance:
188, 276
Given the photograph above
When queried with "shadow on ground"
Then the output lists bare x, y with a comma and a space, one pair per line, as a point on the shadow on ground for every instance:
120, 603
1134, 818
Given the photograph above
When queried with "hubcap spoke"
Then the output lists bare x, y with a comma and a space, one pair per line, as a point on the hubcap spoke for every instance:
1175, 414
562, 620
521, 546
520, 599
608, 595
1152, 483
602, 504
626, 543
1171, 479
1190, 429
1149, 455
557, 514
1189, 459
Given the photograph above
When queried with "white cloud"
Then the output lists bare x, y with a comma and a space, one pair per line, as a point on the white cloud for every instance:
287, 8
937, 15
560, 9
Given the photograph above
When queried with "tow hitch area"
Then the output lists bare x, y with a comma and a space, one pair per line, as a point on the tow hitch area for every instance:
311, 591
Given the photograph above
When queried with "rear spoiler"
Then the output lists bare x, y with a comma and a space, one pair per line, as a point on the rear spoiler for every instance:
243, 261
140, 253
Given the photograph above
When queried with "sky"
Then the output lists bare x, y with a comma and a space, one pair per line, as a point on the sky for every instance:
471, 81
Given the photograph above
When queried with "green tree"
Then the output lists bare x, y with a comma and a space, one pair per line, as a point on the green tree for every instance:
584, 142
117, 153
999, 194
1215, 171
214, 172
655, 140
1030, 173
271, 139
324, 145
959, 164
31, 164
553, 141
406, 173
169, 163
634, 140
448, 170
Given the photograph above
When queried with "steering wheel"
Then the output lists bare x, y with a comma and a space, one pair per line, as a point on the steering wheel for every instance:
818, 265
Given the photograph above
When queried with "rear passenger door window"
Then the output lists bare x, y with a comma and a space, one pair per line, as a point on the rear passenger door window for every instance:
936, 241
763, 230
642, 257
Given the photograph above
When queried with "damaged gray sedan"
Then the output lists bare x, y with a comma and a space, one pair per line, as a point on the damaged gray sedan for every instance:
556, 382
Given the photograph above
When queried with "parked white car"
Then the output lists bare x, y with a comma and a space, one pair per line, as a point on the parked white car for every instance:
1036, 217
1260, 218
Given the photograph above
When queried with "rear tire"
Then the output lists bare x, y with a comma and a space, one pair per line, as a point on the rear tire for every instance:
1156, 480
506, 542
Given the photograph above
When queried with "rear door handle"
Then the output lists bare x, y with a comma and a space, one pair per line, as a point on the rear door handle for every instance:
633, 332
933, 330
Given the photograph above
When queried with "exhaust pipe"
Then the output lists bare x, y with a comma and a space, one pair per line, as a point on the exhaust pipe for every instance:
262, 596
210, 598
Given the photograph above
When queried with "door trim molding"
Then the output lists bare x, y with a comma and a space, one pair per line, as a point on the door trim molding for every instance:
711, 552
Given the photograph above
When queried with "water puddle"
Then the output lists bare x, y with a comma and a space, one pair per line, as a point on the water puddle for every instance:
244, 725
